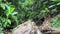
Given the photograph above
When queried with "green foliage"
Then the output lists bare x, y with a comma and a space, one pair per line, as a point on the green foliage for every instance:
17, 11
1, 32
55, 0
29, 10
6, 10
9, 11
35, 9
56, 21
4, 22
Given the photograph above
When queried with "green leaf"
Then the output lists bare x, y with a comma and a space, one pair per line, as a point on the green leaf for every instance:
46, 9
10, 11
56, 0
0, 0
3, 6
1, 32
7, 22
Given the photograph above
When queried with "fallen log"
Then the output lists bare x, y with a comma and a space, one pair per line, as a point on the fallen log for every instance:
30, 27
27, 27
